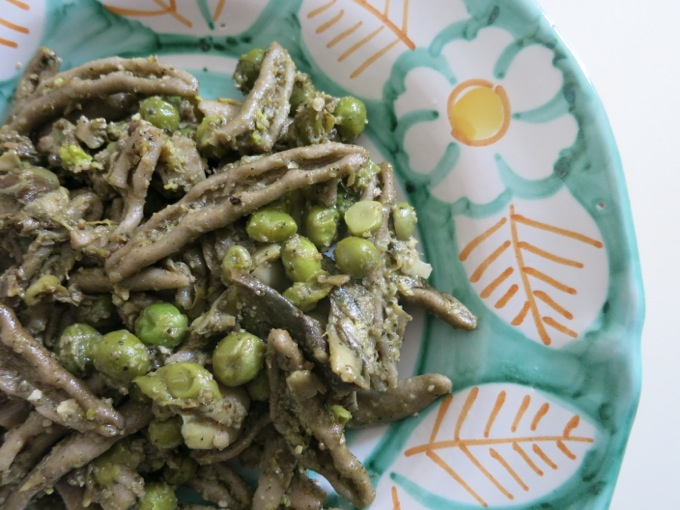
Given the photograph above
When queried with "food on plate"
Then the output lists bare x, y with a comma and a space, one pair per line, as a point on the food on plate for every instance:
190, 285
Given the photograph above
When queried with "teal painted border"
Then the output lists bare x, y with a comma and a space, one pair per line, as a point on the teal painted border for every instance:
603, 369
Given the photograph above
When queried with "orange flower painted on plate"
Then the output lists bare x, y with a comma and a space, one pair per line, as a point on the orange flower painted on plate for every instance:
479, 112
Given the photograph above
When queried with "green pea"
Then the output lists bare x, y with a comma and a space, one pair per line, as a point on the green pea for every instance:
303, 91
364, 217
160, 113
365, 174
266, 254
121, 356
248, 69
341, 414
158, 496
236, 257
238, 358
301, 259
106, 467
356, 256
271, 226
161, 324
105, 473
306, 295
187, 379
184, 380
47, 284
404, 219
180, 471
205, 140
74, 158
165, 434
313, 123
204, 434
153, 386
205, 128
321, 225
74, 348
258, 388
350, 118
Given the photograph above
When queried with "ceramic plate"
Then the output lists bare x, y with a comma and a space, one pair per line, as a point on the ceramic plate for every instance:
500, 142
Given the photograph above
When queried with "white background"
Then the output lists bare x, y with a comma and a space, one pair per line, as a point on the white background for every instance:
630, 49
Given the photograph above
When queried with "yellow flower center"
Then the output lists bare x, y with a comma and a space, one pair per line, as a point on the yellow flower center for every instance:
479, 113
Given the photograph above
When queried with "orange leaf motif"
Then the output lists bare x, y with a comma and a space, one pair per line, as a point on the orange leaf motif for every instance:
21, 27
496, 441
13, 28
396, 504
188, 17
383, 26
538, 275
163, 8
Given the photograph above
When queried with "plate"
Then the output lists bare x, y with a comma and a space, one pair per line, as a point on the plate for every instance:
501, 143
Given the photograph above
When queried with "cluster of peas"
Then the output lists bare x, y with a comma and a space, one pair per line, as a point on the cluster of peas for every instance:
312, 121
124, 357
237, 359
355, 254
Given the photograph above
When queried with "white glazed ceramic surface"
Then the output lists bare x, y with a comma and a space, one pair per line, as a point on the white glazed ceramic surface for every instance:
503, 147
